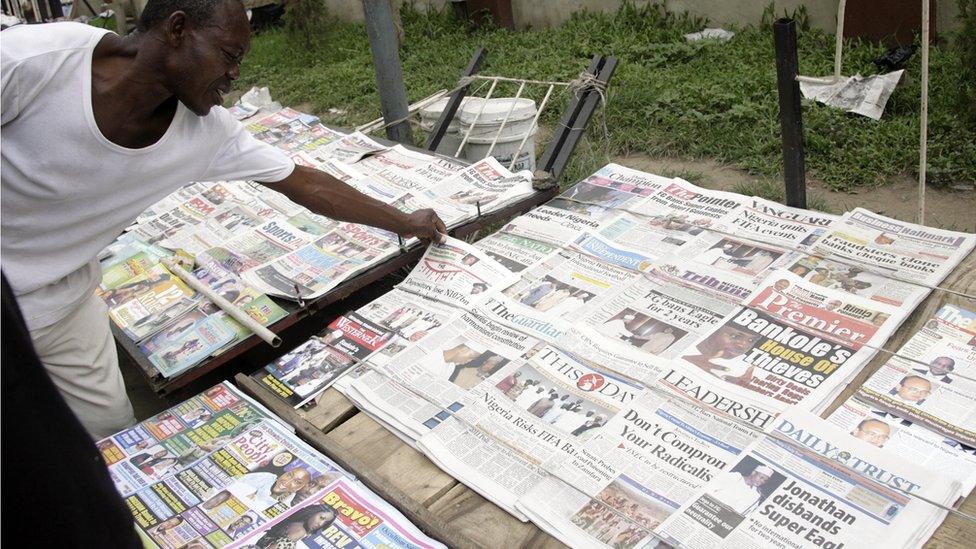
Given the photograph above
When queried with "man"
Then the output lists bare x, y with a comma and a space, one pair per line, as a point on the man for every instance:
743, 494
616, 328
261, 490
912, 390
713, 254
939, 368
873, 431
96, 127
658, 342
721, 354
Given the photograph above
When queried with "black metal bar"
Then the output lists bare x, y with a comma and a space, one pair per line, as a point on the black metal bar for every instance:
790, 115
447, 115
566, 122
383, 44
590, 99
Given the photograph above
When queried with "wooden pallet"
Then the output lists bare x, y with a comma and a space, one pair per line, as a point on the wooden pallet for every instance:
454, 514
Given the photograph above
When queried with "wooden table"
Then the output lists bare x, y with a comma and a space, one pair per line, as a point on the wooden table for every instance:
451, 512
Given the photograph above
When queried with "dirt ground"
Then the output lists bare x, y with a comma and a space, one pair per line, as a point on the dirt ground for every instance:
944, 208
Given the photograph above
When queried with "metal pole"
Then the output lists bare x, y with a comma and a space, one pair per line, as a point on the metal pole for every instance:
790, 116
389, 74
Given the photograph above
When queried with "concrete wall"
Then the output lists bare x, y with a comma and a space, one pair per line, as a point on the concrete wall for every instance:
546, 13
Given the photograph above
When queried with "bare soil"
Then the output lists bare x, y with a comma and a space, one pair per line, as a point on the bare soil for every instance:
953, 209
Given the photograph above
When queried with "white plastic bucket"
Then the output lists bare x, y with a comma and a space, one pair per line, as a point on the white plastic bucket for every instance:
484, 128
429, 116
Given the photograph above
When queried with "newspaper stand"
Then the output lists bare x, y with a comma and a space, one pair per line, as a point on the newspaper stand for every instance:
453, 513
315, 314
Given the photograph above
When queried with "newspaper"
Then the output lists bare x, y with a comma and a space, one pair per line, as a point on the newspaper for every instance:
932, 378
612, 188
256, 476
809, 484
546, 406
315, 268
408, 317
396, 159
856, 280
911, 441
191, 346
146, 303
775, 224
171, 440
647, 462
434, 374
483, 186
351, 148
864, 95
654, 315
905, 251
456, 273
544, 299
792, 344
516, 253
305, 371
271, 240
343, 514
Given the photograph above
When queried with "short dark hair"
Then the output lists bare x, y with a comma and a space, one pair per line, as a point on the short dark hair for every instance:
198, 12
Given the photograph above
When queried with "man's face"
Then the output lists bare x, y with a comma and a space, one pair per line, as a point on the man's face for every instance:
914, 389
730, 342
875, 432
208, 58
290, 482
941, 366
756, 479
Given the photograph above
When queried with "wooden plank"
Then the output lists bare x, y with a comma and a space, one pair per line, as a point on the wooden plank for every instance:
413, 510
391, 460
331, 409
486, 523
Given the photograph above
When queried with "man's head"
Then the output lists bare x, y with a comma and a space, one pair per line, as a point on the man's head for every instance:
201, 43
759, 476
728, 342
291, 481
914, 388
874, 431
942, 365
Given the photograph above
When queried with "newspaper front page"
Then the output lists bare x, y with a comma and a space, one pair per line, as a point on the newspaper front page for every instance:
932, 379
343, 514
647, 462
809, 484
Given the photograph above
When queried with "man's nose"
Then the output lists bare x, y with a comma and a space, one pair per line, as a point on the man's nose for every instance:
234, 72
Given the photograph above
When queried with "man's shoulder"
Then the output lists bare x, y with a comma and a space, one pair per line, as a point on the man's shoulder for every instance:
26, 41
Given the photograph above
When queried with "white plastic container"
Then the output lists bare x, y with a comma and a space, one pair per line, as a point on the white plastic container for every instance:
485, 127
429, 116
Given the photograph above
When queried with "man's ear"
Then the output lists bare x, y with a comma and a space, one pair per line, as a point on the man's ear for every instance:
176, 28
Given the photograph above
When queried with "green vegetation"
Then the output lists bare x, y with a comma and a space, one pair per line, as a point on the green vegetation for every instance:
668, 98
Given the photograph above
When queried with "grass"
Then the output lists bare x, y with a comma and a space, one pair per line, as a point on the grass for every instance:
667, 98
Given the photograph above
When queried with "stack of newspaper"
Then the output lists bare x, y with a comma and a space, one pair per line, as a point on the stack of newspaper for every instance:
219, 470
603, 361
252, 242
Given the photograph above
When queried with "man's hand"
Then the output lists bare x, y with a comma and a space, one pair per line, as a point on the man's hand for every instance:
425, 225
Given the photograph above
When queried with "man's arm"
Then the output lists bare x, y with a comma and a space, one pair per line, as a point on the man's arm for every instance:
326, 195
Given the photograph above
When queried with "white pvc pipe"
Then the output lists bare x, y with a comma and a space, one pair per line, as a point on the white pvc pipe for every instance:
233, 310
838, 52
923, 138
484, 103
528, 134
505, 120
